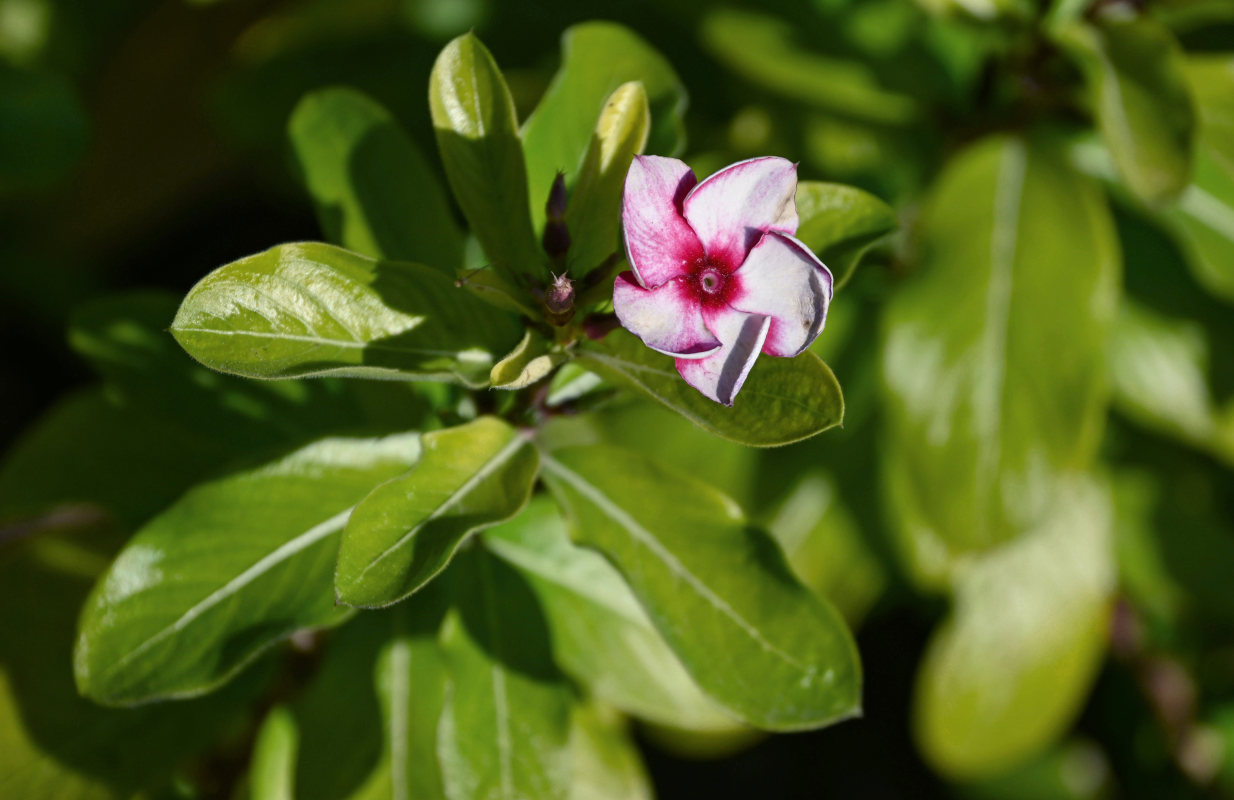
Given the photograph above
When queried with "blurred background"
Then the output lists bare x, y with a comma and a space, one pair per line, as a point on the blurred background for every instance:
144, 143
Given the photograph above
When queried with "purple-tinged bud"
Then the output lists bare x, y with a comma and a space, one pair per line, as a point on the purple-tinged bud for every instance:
556, 239
559, 300
555, 208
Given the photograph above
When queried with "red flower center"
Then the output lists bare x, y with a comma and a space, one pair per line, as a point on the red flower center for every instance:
710, 280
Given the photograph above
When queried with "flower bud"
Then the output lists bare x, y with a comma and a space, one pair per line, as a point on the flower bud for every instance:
559, 300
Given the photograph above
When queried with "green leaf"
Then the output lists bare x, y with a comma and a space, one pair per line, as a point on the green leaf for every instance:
607, 765
409, 528
712, 584
234, 566
477, 134
996, 688
530, 361
1134, 70
597, 58
784, 400
1203, 220
505, 730
1211, 80
593, 215
764, 50
993, 358
840, 223
599, 633
314, 309
273, 771
374, 192
54, 744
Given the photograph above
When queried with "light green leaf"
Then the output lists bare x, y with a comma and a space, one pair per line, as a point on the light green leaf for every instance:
840, 223
408, 529
1203, 220
314, 309
1009, 670
597, 58
593, 215
712, 584
1211, 80
993, 358
1134, 71
607, 765
373, 190
600, 635
784, 400
477, 134
530, 361
272, 774
764, 50
234, 566
505, 730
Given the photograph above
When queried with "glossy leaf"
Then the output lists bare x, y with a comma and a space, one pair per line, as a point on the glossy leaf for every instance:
234, 566
1140, 99
530, 361
993, 357
374, 192
596, 59
505, 730
593, 215
408, 529
1007, 673
783, 400
477, 135
600, 635
712, 584
840, 223
314, 309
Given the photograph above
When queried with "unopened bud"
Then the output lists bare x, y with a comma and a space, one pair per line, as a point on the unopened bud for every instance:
556, 239
555, 208
559, 300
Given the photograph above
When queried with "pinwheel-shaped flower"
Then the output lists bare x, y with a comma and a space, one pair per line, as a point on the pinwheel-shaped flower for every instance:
717, 275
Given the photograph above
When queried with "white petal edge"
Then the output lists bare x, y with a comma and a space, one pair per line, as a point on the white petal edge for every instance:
721, 375
660, 244
784, 280
732, 208
666, 318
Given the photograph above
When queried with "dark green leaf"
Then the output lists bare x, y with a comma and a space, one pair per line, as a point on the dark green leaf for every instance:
477, 134
994, 356
597, 58
712, 584
784, 400
840, 223
314, 309
234, 566
44, 129
374, 192
408, 529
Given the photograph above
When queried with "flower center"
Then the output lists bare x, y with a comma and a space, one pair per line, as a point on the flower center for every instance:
711, 280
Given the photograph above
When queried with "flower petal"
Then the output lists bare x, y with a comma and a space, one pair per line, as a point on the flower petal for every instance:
659, 242
783, 280
730, 210
667, 318
721, 375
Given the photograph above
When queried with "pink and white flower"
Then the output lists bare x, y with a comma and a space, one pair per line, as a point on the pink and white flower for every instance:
717, 275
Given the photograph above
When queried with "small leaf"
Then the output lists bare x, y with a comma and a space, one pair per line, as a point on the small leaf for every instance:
477, 134
530, 361
840, 223
373, 190
712, 585
784, 399
593, 215
995, 688
234, 566
596, 59
600, 635
272, 773
607, 765
994, 356
504, 733
1143, 108
408, 529
314, 309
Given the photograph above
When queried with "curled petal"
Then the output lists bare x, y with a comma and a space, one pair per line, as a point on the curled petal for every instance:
721, 375
659, 242
667, 318
783, 280
733, 208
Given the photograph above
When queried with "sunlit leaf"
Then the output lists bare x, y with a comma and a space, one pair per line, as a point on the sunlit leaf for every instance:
530, 361
607, 765
234, 566
840, 223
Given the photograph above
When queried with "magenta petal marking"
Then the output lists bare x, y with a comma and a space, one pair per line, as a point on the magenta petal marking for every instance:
667, 318
730, 210
721, 375
659, 242
784, 280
